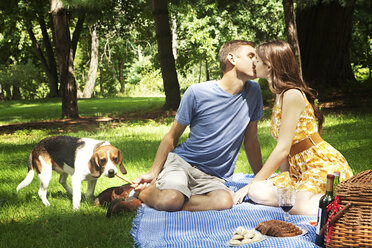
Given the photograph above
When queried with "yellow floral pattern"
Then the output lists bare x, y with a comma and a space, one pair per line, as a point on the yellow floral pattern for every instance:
308, 170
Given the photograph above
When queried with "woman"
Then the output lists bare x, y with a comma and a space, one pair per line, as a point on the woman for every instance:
304, 158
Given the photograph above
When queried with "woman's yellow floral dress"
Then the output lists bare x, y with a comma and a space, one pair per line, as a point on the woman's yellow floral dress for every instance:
308, 169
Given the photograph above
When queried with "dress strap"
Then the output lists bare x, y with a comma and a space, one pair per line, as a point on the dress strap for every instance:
283, 91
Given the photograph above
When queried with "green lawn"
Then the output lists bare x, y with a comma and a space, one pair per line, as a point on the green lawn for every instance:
48, 109
25, 222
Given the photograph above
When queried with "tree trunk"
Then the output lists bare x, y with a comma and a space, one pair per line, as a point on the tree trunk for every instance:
324, 33
167, 64
51, 68
16, 93
101, 81
1, 94
200, 68
8, 92
291, 29
50, 55
93, 66
174, 37
121, 76
77, 32
139, 52
206, 69
65, 59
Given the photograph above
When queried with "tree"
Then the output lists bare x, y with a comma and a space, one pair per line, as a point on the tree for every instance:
204, 25
1, 94
291, 29
167, 64
93, 65
14, 48
324, 33
121, 27
48, 62
65, 55
361, 55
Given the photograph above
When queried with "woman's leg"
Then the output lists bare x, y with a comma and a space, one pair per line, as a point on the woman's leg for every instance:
307, 203
265, 193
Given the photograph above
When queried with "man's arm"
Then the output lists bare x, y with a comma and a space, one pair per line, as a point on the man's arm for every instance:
167, 145
253, 151
252, 147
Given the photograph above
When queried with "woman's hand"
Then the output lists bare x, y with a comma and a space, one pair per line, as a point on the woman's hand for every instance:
241, 193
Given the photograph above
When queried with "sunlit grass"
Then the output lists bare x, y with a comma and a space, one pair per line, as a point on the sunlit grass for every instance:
25, 222
36, 110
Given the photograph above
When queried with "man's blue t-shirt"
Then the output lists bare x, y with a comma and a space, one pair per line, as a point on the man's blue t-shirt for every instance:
218, 121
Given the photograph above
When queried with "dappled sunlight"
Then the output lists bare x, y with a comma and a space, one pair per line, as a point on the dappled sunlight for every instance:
334, 120
264, 123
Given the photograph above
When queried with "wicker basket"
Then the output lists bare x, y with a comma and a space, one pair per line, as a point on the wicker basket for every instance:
354, 228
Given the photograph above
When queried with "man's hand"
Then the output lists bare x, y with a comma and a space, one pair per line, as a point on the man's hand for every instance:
144, 181
240, 194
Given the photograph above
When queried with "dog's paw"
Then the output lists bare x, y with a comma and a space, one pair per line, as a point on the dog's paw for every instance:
113, 207
118, 206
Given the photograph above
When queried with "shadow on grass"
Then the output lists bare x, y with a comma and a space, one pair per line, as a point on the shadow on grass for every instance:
91, 123
53, 227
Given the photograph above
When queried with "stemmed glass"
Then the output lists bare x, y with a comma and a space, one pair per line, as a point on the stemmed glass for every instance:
286, 200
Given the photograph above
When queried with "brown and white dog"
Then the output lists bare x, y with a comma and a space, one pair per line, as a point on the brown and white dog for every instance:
83, 158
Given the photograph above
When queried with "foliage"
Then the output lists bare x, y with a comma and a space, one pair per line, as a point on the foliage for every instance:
127, 37
308, 3
26, 77
150, 84
361, 47
208, 24
267, 95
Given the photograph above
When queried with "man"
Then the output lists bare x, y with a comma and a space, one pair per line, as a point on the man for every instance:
220, 114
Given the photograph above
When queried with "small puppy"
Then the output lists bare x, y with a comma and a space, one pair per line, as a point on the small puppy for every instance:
118, 199
83, 158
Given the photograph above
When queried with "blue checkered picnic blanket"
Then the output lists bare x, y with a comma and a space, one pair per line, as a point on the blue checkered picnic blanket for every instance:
152, 228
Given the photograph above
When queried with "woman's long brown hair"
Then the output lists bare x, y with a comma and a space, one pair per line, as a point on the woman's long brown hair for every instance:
285, 72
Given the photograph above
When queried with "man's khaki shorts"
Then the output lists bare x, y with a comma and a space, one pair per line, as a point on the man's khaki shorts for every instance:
179, 175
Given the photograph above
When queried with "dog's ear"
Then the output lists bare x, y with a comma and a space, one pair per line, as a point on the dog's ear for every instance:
93, 166
121, 166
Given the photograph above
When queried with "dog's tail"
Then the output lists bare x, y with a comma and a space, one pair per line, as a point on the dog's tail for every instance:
30, 175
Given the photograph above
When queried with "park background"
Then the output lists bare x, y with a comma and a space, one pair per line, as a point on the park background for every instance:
116, 71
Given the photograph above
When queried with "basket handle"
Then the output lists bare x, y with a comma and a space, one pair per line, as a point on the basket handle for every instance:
335, 218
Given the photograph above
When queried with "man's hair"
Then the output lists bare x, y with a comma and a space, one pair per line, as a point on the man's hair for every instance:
231, 47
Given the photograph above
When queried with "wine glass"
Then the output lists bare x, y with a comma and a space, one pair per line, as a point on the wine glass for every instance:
286, 200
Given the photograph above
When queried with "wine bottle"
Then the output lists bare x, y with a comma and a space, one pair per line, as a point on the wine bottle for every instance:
337, 180
322, 210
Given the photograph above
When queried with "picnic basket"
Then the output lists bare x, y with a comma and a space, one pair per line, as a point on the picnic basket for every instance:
354, 228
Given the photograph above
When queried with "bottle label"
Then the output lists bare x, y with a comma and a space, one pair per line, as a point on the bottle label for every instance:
318, 221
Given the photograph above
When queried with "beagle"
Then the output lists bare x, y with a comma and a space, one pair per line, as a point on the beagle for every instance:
83, 158
118, 199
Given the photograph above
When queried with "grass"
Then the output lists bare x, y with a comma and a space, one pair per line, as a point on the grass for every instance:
49, 109
25, 222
